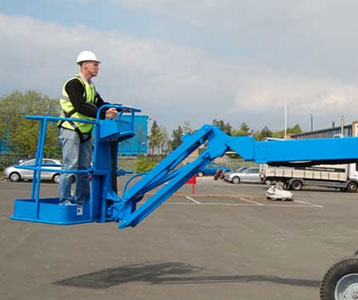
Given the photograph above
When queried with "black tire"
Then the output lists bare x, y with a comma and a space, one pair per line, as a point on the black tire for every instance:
352, 187
56, 178
340, 281
15, 177
200, 174
235, 180
296, 185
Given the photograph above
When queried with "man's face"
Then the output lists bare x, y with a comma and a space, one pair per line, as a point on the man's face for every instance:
92, 68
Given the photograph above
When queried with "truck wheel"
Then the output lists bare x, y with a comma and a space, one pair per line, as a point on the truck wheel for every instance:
352, 187
296, 185
341, 280
200, 174
236, 180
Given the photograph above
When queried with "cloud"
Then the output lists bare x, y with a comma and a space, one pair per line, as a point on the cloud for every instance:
171, 83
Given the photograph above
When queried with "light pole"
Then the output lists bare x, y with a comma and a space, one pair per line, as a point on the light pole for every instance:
311, 114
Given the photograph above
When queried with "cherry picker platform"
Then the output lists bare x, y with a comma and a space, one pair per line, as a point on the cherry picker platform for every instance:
105, 205
129, 209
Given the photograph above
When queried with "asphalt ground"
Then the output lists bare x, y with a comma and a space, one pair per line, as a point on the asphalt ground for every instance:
223, 242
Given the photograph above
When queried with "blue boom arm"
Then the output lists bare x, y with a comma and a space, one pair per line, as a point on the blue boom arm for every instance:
286, 152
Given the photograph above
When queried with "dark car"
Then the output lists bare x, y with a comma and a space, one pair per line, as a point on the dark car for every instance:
211, 169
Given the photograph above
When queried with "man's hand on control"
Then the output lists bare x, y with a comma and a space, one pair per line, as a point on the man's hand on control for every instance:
111, 113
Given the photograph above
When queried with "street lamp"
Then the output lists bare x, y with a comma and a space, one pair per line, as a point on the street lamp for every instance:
311, 114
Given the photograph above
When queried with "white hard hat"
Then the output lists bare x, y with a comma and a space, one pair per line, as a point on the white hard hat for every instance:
86, 56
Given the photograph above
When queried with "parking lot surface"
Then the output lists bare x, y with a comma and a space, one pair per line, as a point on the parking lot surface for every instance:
225, 241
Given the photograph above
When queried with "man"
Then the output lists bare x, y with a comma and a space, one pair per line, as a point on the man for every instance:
79, 100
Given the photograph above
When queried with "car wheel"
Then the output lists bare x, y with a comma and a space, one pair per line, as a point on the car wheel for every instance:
200, 174
15, 177
340, 281
56, 178
296, 185
235, 180
352, 187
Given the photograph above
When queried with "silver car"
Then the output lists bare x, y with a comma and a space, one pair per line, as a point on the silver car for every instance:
251, 174
15, 174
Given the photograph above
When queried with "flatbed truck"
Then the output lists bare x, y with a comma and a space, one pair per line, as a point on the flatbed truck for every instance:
342, 176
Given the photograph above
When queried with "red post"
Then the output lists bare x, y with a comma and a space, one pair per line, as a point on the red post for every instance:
192, 181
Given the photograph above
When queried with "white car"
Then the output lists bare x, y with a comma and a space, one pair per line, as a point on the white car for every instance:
16, 174
276, 192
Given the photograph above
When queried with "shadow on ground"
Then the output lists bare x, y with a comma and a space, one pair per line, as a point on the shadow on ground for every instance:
168, 273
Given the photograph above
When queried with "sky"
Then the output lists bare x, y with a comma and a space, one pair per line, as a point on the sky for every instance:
193, 60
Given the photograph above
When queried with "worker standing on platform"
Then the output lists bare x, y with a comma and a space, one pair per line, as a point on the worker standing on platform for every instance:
79, 100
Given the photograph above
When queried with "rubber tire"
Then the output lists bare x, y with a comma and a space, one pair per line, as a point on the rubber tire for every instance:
200, 174
14, 177
352, 187
235, 180
345, 266
56, 178
296, 185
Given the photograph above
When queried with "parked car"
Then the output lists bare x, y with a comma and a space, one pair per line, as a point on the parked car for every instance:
15, 174
251, 174
220, 173
211, 169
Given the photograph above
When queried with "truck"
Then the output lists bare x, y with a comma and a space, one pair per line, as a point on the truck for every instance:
340, 176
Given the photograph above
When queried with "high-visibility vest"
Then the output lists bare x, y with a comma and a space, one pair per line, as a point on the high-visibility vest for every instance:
69, 111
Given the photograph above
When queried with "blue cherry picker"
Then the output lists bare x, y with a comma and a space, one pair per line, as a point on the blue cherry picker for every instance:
105, 204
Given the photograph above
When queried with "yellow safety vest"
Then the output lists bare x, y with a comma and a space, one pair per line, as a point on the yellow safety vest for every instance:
68, 110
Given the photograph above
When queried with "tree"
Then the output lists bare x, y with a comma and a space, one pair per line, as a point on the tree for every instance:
187, 128
296, 129
264, 133
164, 143
154, 138
20, 134
177, 134
224, 127
243, 131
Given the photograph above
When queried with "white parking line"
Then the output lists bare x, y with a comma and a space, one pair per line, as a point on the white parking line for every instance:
191, 199
310, 204
253, 202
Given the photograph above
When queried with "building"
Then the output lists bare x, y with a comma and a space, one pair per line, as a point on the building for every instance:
341, 131
138, 145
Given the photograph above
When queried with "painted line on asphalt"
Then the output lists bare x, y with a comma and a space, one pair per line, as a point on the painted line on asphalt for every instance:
251, 201
191, 199
246, 205
310, 204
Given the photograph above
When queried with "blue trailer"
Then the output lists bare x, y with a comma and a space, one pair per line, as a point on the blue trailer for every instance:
106, 205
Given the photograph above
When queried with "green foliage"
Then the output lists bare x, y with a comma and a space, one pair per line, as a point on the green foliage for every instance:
226, 127
158, 139
290, 131
177, 134
243, 131
20, 135
145, 164
155, 137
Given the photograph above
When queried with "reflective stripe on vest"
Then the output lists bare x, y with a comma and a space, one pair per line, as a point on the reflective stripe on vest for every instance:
68, 110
